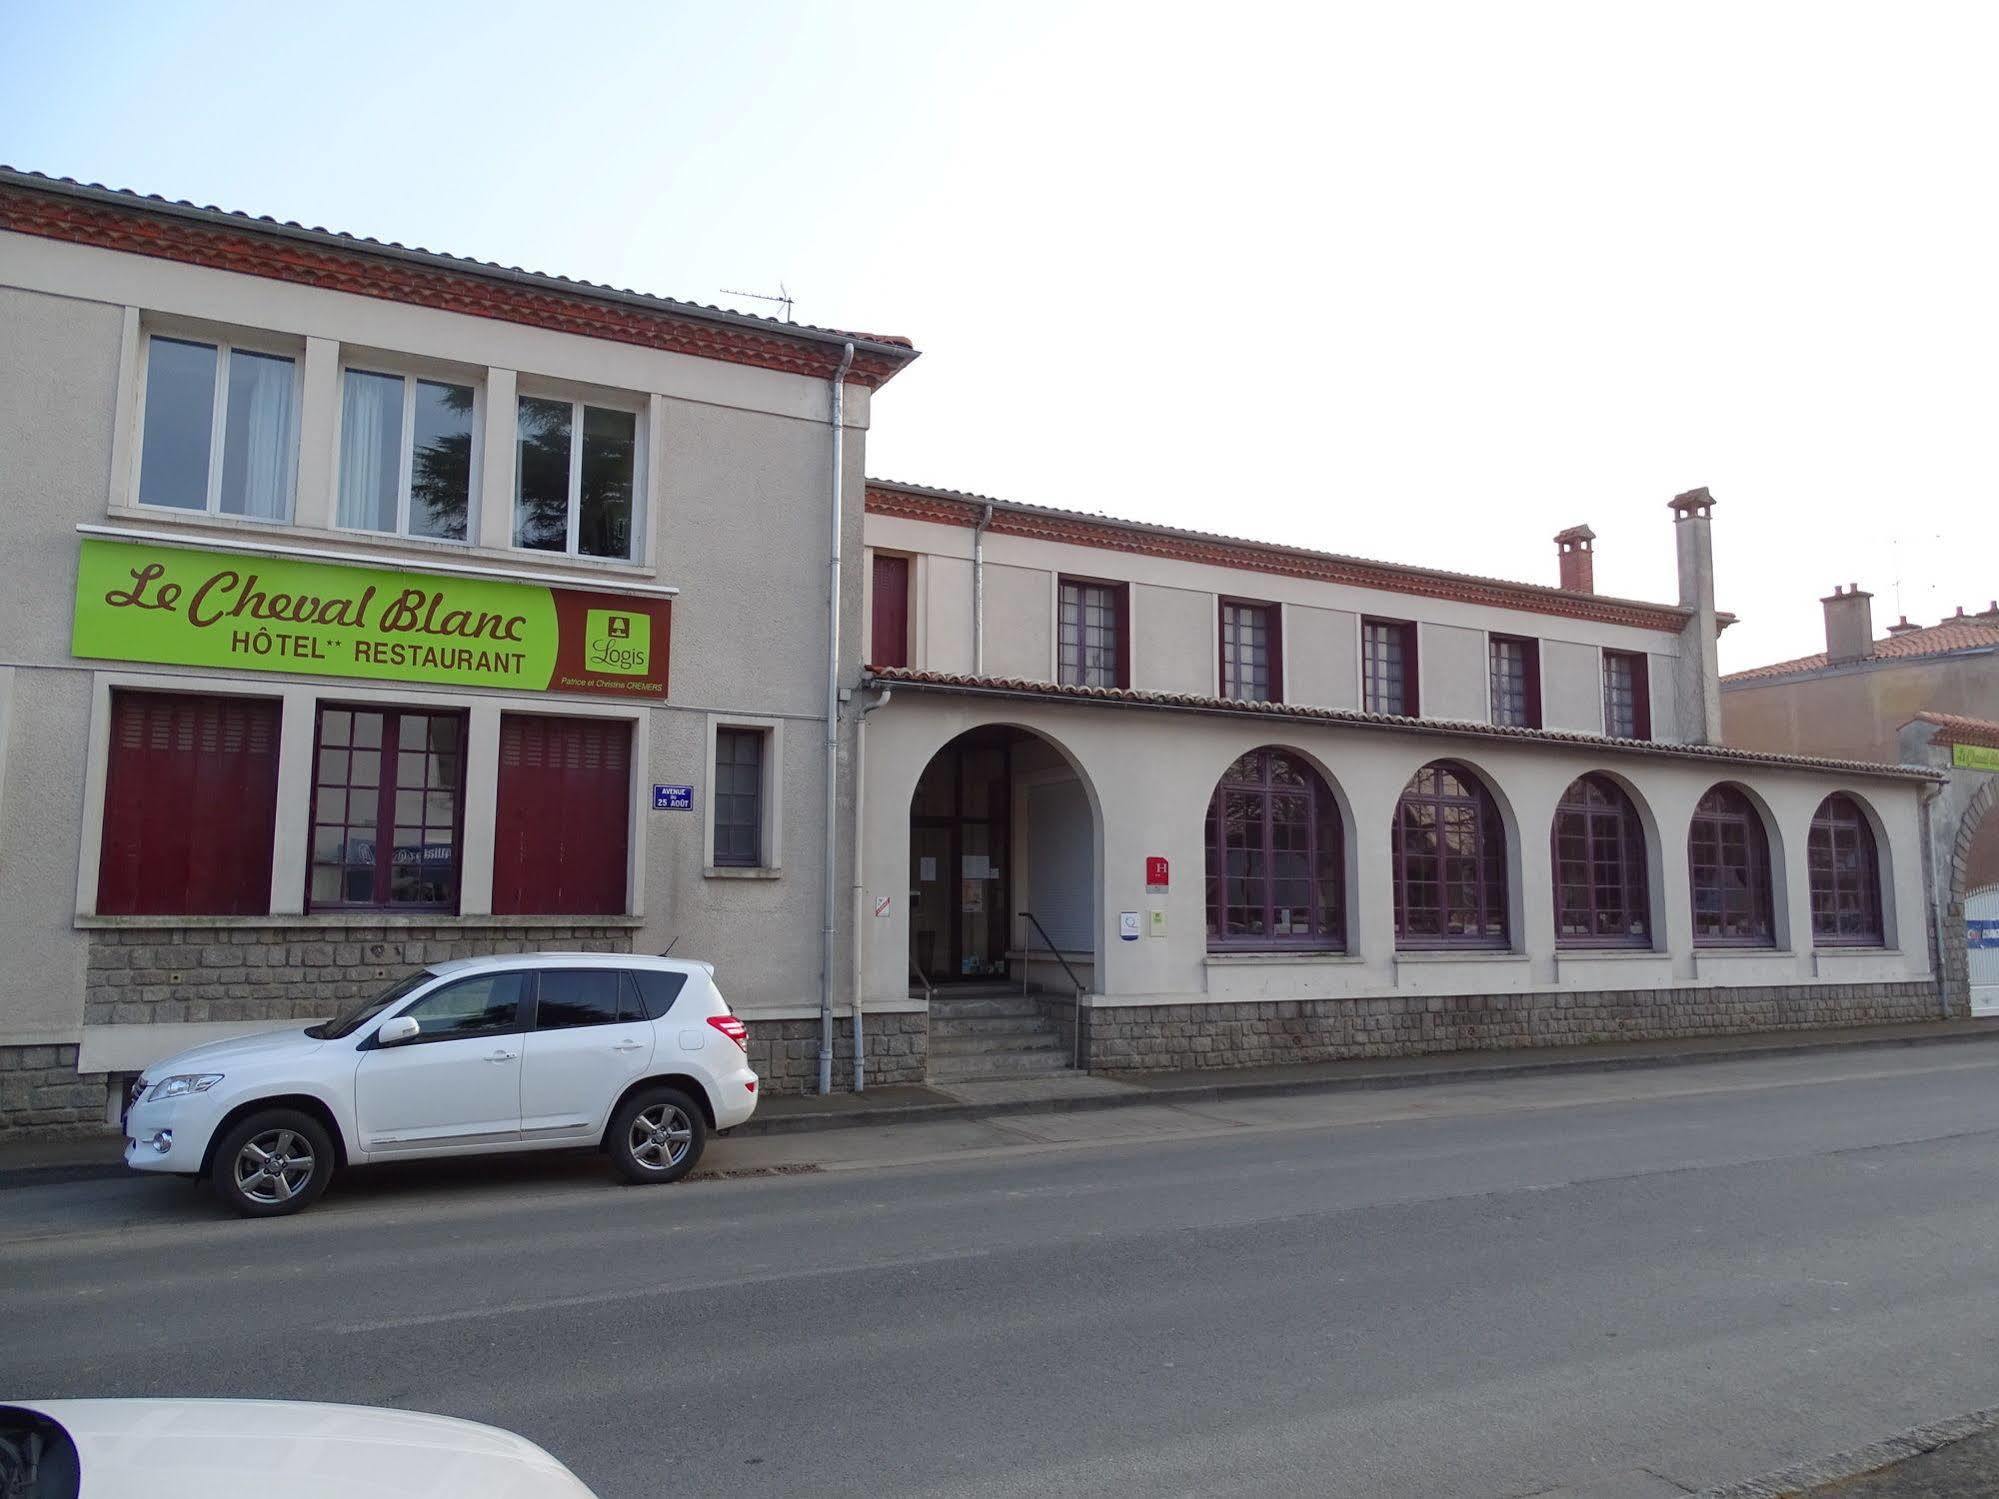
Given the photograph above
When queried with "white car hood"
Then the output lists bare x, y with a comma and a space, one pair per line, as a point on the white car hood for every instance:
275, 1449
263, 1046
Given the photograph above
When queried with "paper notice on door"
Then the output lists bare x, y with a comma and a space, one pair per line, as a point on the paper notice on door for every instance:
978, 867
926, 868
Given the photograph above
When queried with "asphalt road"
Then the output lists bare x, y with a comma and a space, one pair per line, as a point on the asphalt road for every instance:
1628, 1285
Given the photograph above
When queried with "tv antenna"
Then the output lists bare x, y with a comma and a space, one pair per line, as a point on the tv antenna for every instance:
782, 299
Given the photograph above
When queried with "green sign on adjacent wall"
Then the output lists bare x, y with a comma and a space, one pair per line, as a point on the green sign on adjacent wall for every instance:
190, 607
1974, 757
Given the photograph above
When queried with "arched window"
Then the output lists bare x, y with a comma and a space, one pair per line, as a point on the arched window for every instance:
1728, 860
1449, 852
1275, 857
1846, 876
1601, 898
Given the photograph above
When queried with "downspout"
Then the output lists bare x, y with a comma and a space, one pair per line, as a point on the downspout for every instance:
861, 921
979, 592
831, 872
1937, 896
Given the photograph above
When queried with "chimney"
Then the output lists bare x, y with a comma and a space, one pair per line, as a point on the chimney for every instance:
1578, 561
1990, 612
1849, 624
1902, 626
1697, 681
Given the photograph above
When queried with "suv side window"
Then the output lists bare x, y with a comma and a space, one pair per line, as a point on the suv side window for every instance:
657, 989
485, 1006
577, 996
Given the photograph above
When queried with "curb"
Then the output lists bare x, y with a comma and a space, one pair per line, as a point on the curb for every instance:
1802, 1477
1291, 1087
1215, 1092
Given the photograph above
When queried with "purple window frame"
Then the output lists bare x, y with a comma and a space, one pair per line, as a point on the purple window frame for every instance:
1728, 866
1289, 850
1845, 872
1091, 633
1514, 664
340, 817
1388, 667
1448, 852
1602, 895
1252, 652
1627, 691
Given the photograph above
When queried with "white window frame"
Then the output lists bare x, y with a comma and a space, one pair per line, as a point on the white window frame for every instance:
635, 407
218, 418
406, 460
772, 850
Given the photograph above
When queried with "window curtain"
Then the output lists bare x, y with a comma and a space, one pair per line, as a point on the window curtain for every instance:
371, 418
257, 471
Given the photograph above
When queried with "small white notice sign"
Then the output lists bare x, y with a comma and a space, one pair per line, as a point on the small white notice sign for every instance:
1127, 925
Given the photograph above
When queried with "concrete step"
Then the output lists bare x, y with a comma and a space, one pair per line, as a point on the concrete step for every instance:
987, 1025
1014, 1005
1002, 1064
1020, 1042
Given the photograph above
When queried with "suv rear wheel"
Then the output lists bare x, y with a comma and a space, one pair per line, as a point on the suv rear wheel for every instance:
657, 1136
272, 1162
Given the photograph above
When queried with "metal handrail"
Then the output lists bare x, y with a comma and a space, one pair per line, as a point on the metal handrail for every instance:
1076, 1058
929, 991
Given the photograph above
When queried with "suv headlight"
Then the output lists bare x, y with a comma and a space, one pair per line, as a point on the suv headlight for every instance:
183, 1083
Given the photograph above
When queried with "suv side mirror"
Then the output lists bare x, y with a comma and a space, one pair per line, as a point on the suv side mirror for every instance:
400, 1028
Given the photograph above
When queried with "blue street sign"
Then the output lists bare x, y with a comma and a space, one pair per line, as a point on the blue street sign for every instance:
673, 798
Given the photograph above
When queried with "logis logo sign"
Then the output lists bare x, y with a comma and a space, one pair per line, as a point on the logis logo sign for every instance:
617, 642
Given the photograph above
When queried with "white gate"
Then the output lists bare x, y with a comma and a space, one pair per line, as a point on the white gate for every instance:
1981, 941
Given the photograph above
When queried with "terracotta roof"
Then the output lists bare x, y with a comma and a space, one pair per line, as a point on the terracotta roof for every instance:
1017, 687
1956, 729
146, 224
954, 507
1934, 640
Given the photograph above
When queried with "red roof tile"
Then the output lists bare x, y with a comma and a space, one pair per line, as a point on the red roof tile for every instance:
1958, 729
1935, 640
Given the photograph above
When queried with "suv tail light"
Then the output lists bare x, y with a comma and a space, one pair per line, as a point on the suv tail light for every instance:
731, 1027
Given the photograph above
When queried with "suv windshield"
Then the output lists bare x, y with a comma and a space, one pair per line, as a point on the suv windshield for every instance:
362, 1011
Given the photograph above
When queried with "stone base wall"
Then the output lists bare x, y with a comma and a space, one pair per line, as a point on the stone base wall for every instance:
42, 1092
1153, 1038
150, 974
785, 1053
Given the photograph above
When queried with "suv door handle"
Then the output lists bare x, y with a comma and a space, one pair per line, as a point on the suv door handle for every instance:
501, 1056
628, 1045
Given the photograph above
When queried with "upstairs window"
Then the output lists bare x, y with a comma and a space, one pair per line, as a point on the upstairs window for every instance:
220, 429
1251, 657
1449, 861
1516, 681
576, 478
406, 448
1627, 696
1728, 861
1388, 666
1091, 645
888, 635
1845, 872
1601, 895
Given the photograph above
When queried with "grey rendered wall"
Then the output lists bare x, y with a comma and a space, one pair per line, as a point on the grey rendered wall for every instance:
1020, 622
1172, 640
1321, 657
1453, 663
58, 377
1571, 686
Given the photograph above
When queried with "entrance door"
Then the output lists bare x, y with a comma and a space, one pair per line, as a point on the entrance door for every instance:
1981, 933
959, 836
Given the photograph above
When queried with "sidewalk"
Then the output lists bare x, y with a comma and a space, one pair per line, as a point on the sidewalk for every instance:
97, 1157
1954, 1459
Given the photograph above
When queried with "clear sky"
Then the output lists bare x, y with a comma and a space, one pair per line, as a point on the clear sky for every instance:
1419, 282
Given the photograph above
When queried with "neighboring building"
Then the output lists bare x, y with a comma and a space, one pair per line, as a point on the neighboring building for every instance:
251, 770
1925, 694
366, 606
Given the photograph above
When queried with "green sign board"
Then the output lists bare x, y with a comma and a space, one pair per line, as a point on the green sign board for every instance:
1974, 757
189, 607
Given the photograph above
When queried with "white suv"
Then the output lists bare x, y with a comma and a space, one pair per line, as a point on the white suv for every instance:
639, 1057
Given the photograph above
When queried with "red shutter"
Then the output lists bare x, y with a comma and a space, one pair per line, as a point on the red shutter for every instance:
190, 801
889, 643
563, 816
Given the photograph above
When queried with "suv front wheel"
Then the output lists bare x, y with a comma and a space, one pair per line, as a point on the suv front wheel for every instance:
272, 1162
657, 1136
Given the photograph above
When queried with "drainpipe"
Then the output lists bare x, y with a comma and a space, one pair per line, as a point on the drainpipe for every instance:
831, 872
979, 592
862, 922
1937, 896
